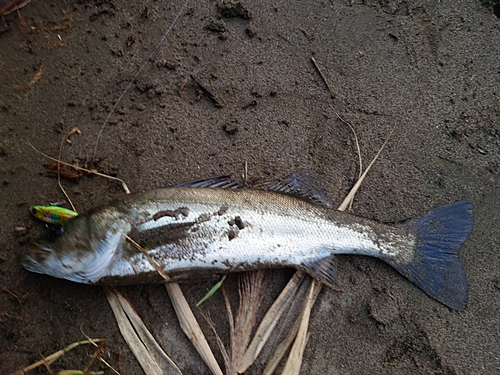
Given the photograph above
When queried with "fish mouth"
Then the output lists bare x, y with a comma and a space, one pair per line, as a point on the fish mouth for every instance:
29, 263
86, 269
33, 265
37, 260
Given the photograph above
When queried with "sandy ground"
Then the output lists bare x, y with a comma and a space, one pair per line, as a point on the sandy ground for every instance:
432, 69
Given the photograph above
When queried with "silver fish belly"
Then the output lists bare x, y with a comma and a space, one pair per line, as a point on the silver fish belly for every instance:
227, 231
191, 231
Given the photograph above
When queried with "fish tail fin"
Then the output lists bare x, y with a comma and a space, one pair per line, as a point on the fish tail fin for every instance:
436, 267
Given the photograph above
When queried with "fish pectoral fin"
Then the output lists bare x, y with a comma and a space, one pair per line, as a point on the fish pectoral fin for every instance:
322, 269
197, 276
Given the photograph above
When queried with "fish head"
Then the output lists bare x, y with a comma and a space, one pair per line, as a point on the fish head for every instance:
82, 252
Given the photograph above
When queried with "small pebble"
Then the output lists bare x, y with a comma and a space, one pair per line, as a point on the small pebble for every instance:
230, 128
21, 230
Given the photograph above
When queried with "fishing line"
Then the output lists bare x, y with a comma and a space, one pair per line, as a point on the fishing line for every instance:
136, 75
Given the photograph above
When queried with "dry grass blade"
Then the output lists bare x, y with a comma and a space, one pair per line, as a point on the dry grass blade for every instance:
185, 316
332, 95
150, 355
240, 325
51, 358
287, 328
220, 343
358, 149
98, 347
148, 257
100, 358
250, 290
294, 361
348, 199
281, 349
191, 327
270, 320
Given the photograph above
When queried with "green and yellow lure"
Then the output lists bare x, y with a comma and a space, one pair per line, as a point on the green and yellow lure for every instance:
52, 214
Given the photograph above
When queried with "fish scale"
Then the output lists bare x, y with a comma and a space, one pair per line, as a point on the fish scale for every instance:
283, 233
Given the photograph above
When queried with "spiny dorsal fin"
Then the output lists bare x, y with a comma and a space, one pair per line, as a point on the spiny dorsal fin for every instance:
224, 182
300, 184
303, 185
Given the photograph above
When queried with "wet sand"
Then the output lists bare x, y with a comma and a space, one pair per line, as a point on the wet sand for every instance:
430, 69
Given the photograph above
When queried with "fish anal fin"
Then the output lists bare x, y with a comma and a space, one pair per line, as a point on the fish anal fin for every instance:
322, 269
302, 185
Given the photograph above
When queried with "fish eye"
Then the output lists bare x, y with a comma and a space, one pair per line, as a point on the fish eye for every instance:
55, 232
33, 210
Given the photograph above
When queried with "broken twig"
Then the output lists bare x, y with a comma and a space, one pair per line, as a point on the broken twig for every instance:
83, 169
59, 170
51, 358
207, 91
322, 76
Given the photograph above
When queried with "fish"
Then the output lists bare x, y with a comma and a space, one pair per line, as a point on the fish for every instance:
216, 226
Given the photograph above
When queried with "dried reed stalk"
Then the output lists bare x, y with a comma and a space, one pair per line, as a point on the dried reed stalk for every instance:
152, 358
250, 291
191, 327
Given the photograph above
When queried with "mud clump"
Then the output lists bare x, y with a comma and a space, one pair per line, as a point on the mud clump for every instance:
232, 9
216, 25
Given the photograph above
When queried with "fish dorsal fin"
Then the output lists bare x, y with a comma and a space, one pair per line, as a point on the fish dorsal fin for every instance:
300, 184
303, 185
223, 182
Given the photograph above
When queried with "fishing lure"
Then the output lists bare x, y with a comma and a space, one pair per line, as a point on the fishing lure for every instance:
52, 214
